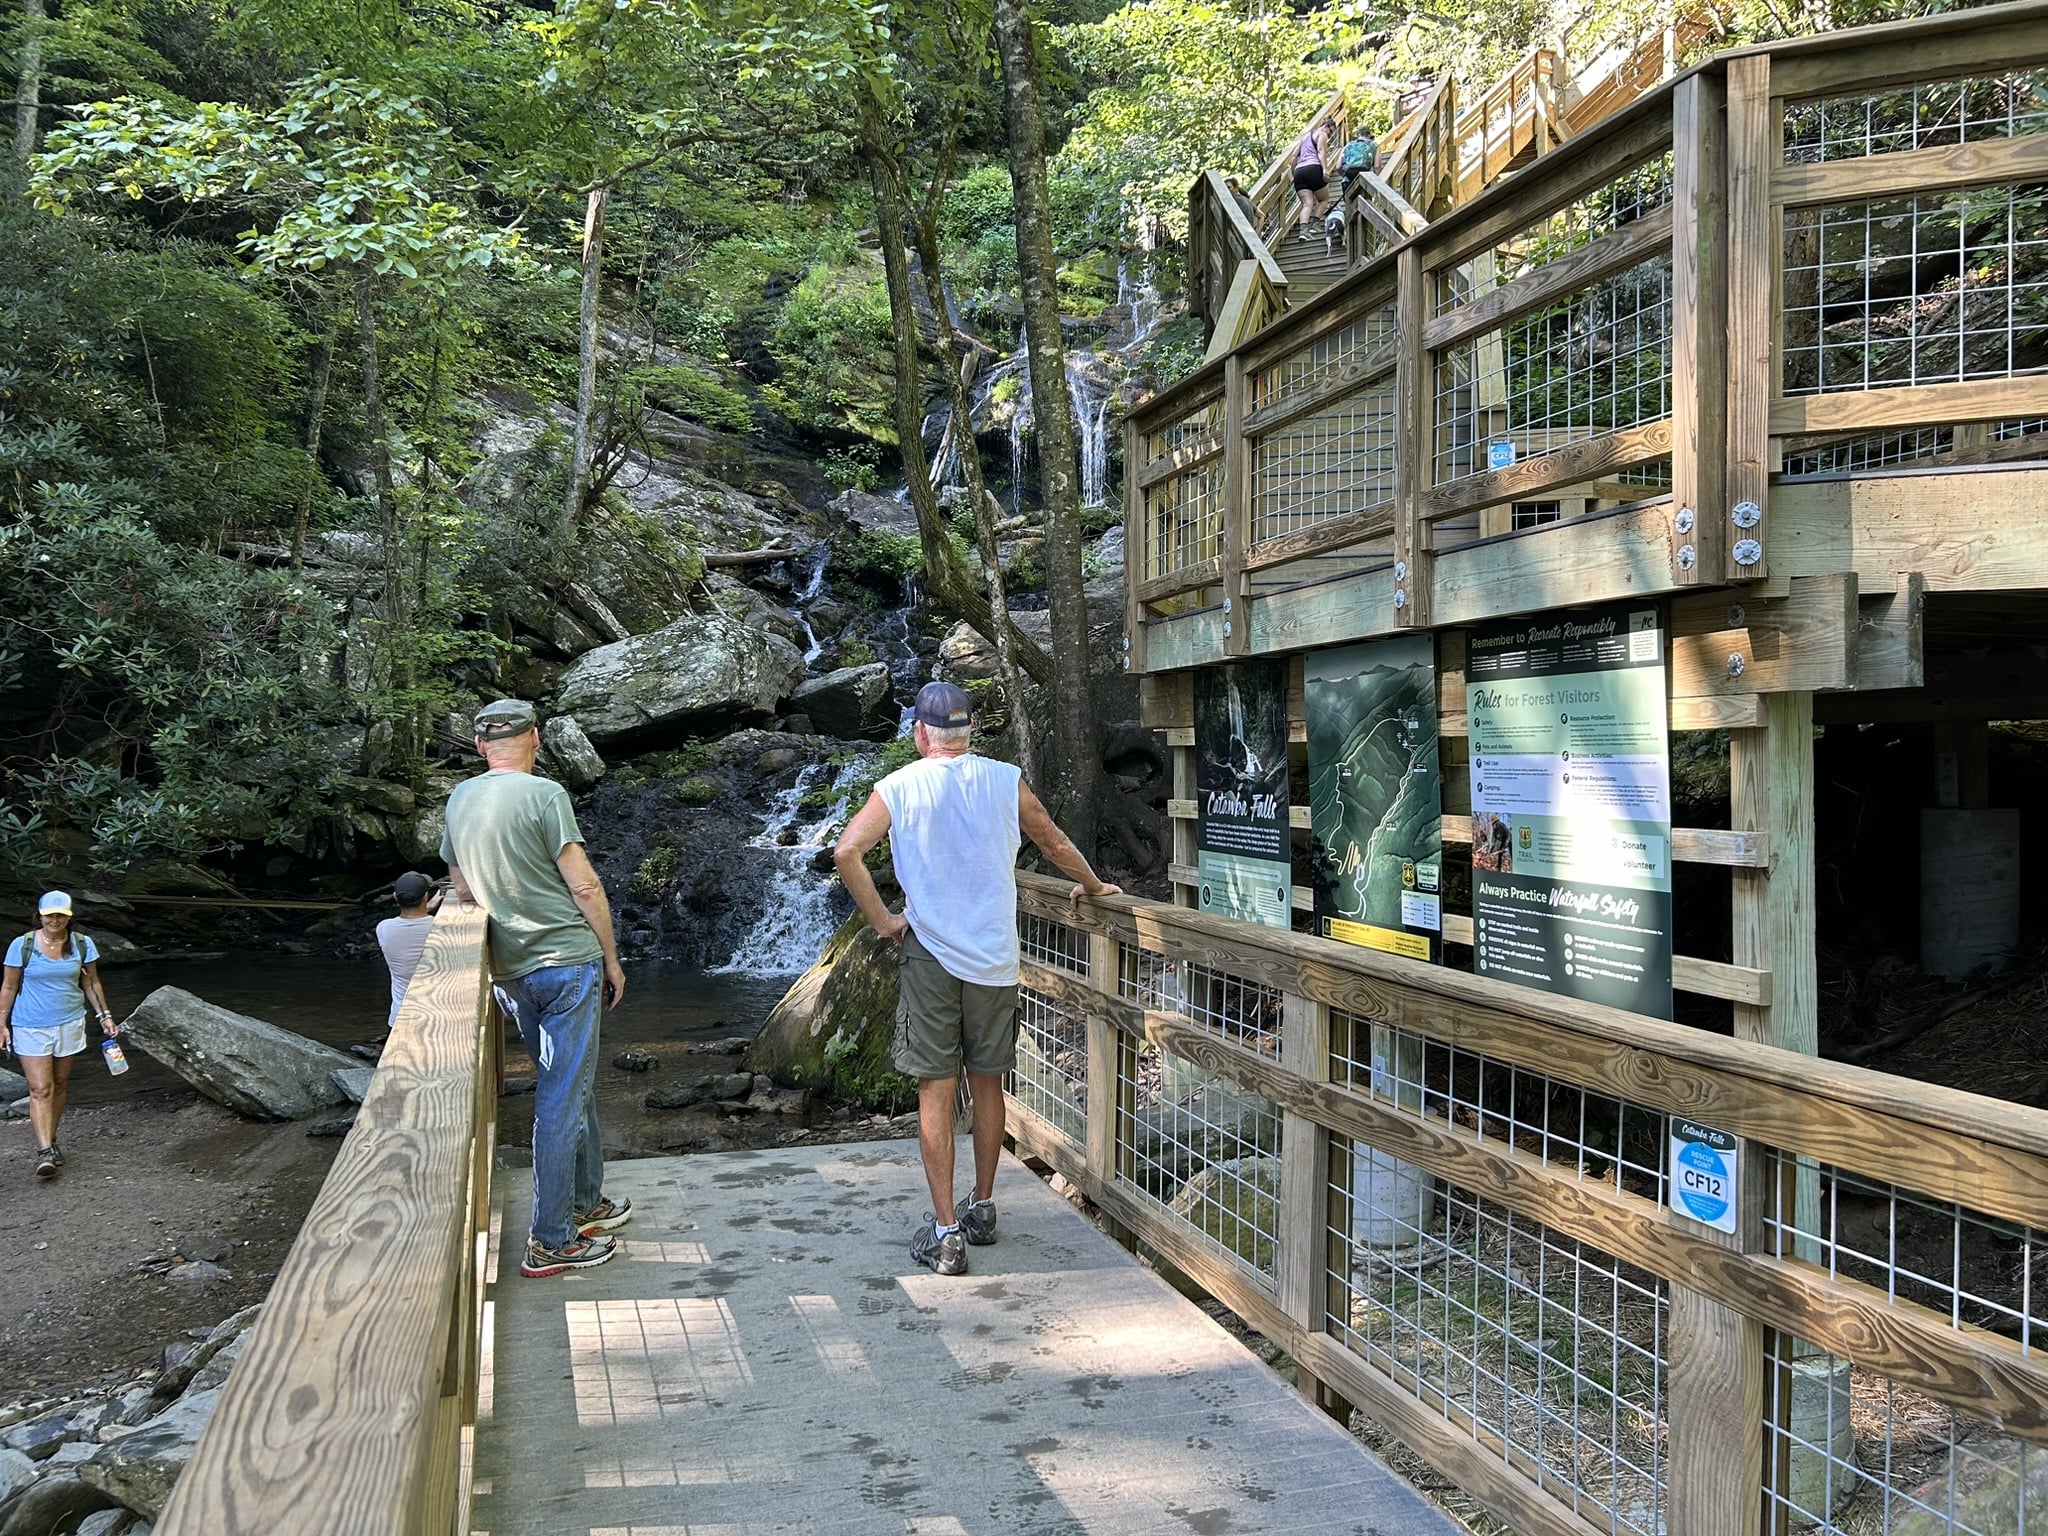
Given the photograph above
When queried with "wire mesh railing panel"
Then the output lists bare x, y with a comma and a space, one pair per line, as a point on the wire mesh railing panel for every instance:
1848, 1452
1923, 115
1596, 361
1640, 190
1544, 1349
1196, 430
1874, 451
1184, 519
1978, 1271
1933, 289
1329, 464
1205, 1152
1052, 943
1051, 1075
1302, 371
1569, 1130
2019, 426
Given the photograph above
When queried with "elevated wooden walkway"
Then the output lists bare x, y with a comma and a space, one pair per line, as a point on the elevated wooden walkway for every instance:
764, 1357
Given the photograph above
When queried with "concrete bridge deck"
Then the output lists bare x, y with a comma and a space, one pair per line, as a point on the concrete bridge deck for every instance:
764, 1357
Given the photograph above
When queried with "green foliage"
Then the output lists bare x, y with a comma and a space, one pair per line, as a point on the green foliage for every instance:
657, 872
701, 396
880, 557
856, 467
834, 340
979, 204
858, 1072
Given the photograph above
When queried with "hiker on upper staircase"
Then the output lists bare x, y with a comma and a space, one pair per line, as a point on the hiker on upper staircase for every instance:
1310, 179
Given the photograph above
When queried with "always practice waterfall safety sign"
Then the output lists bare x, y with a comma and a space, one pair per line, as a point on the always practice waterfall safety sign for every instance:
1244, 857
1571, 805
1375, 795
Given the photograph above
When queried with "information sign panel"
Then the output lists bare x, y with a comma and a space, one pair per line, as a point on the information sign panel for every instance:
1243, 855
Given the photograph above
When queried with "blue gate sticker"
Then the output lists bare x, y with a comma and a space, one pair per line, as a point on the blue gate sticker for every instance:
1703, 1174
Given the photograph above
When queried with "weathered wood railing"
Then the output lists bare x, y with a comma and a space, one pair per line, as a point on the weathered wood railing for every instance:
1447, 1199
1655, 316
352, 1409
1221, 242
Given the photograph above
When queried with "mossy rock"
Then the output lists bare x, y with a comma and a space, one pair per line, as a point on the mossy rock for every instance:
1985, 1490
1237, 1204
832, 1030
699, 789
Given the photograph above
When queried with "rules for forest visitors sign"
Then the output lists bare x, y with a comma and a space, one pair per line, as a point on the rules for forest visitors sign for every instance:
1571, 805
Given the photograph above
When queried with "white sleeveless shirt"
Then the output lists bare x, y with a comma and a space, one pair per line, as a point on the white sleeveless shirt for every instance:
954, 837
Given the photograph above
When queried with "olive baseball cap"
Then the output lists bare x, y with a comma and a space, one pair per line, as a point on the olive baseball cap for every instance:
505, 717
944, 706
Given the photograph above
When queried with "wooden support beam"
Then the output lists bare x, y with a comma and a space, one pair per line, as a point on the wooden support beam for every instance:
1699, 321
1754, 296
1890, 649
1770, 775
1805, 640
1626, 448
1628, 246
1974, 163
1237, 510
1134, 557
1302, 1239
1911, 406
1414, 451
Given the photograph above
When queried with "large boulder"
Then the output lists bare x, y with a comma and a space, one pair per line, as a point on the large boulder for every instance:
140, 1469
700, 672
852, 702
572, 753
253, 1068
1236, 1203
12, 1086
832, 1028
875, 514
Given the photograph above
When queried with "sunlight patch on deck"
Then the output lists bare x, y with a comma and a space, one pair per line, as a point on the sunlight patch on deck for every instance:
635, 1361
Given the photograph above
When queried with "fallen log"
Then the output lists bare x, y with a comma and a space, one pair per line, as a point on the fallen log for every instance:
720, 559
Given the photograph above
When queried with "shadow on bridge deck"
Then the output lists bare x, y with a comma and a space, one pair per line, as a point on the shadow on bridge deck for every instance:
763, 1357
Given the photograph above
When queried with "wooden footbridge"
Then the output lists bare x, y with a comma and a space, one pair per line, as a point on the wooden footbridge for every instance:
1765, 345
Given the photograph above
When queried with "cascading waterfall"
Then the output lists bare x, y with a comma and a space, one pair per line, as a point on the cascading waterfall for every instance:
801, 911
814, 580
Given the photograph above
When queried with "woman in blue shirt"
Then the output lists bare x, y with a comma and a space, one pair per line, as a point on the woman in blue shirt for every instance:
50, 974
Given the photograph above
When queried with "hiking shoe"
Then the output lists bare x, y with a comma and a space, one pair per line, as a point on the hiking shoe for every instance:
578, 1253
47, 1162
604, 1216
57, 1154
947, 1255
977, 1220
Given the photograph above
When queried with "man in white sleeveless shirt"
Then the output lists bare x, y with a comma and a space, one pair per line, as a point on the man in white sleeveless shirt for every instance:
953, 821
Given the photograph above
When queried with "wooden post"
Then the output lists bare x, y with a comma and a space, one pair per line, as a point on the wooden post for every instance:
1100, 1127
1753, 299
1134, 550
1302, 1209
1185, 832
1237, 512
1414, 443
1699, 319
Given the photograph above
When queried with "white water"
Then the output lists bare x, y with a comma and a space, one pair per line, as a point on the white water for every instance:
800, 914
813, 646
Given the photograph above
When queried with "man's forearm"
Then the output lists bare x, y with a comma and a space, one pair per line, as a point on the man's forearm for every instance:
867, 896
597, 911
1068, 859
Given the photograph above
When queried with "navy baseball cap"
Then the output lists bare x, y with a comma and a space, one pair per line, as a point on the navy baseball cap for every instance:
944, 706
411, 888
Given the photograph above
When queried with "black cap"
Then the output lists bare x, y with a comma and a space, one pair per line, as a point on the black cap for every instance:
943, 706
411, 888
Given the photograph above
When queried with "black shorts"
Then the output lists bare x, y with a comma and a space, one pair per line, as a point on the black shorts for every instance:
1309, 178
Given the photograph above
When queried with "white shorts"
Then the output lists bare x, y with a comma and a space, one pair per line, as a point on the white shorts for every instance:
50, 1039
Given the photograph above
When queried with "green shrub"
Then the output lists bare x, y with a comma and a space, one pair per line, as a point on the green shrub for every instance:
657, 872
700, 396
856, 467
835, 341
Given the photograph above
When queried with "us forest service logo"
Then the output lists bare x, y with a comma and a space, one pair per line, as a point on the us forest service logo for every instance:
1407, 874
1525, 837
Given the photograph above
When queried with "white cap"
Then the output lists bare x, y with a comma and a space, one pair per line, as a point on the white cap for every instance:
54, 901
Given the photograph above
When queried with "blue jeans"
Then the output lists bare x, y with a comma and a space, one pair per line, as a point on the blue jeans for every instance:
556, 1009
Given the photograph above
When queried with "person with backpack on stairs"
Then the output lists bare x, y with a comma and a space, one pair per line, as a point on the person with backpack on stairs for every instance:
51, 975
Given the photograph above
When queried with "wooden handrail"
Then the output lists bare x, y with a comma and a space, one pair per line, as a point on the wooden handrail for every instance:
1254, 248
344, 1414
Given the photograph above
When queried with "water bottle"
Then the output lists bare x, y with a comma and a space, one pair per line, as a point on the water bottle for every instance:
117, 1061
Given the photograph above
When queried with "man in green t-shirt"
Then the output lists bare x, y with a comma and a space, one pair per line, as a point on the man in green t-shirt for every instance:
512, 844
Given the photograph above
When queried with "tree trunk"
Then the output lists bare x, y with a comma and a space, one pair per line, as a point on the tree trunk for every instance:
28, 81
380, 455
1078, 778
573, 499
985, 509
316, 413
946, 578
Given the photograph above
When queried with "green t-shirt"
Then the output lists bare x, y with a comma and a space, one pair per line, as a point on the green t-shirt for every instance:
504, 831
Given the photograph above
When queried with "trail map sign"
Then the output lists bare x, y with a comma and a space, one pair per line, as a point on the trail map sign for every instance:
1571, 806
1243, 857
1374, 795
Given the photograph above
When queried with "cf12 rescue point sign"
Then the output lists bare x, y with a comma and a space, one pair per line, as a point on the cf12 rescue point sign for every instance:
1703, 1174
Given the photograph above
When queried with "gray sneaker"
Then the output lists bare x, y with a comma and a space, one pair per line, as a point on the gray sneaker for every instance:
947, 1255
977, 1222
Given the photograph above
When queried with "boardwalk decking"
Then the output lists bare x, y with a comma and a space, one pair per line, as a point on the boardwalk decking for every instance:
763, 1357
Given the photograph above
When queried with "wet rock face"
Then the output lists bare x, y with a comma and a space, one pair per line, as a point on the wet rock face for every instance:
833, 1027
698, 673
570, 751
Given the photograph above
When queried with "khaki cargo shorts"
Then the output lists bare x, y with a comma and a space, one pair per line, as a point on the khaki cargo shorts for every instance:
943, 1023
